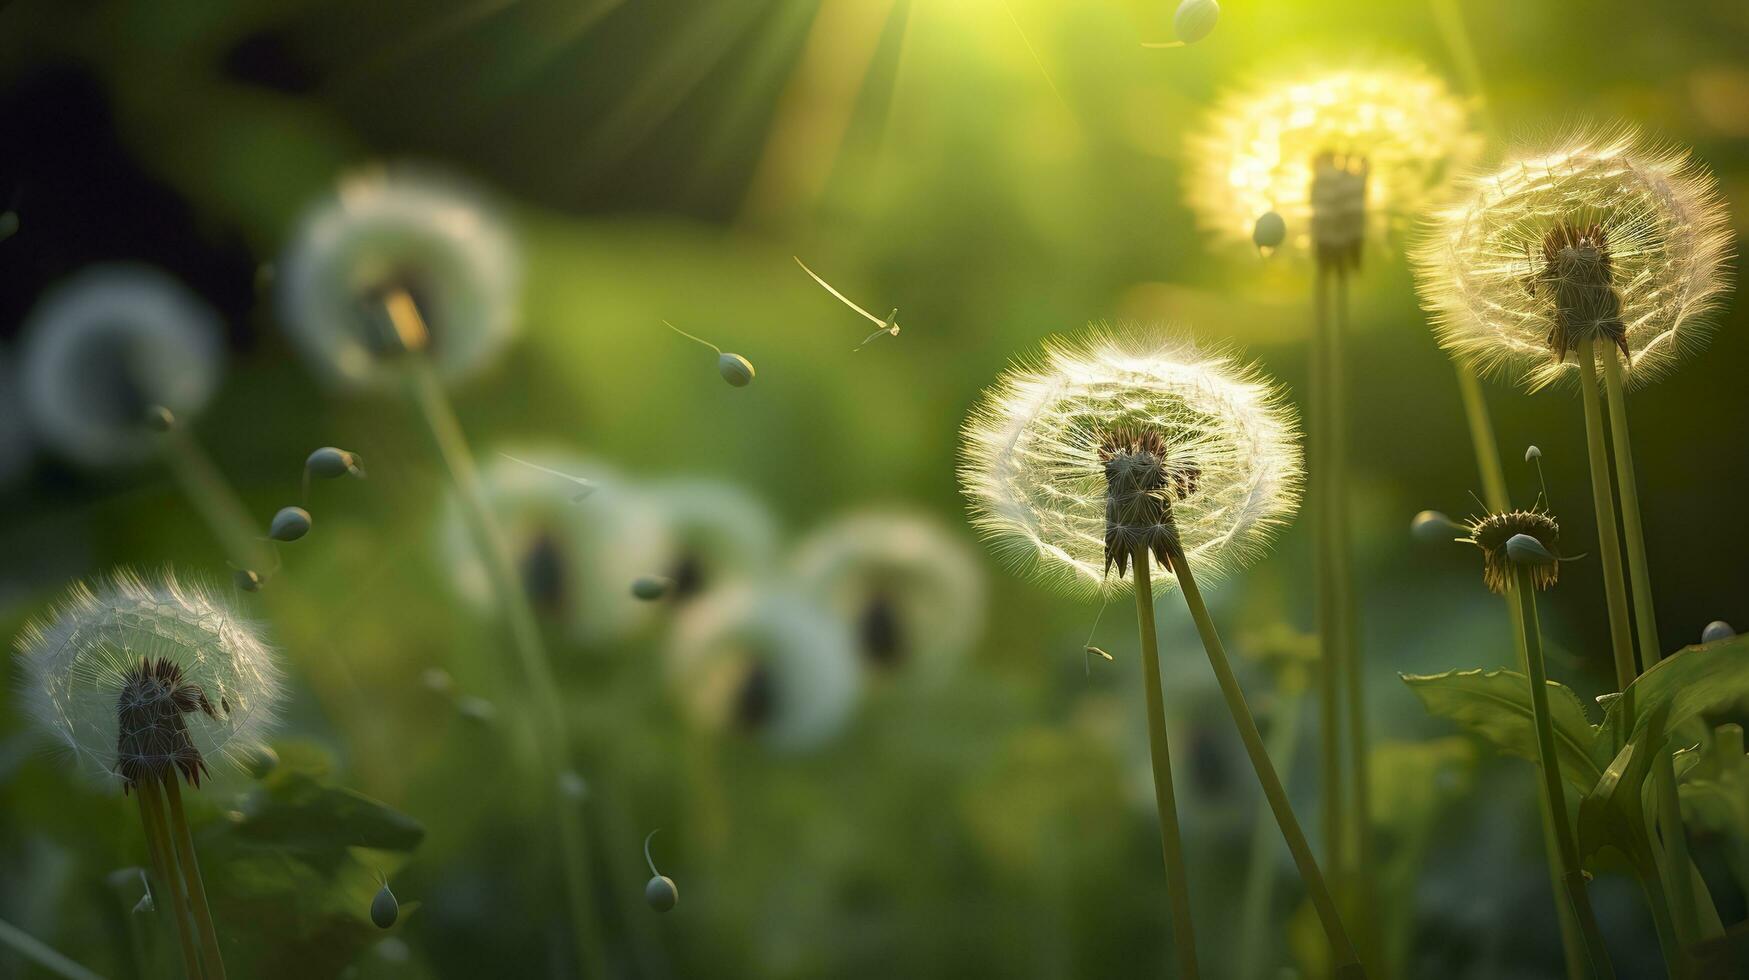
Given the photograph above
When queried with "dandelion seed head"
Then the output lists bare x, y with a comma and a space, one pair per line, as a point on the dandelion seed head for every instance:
1395, 125
767, 663
1602, 235
104, 348
913, 593
385, 234
715, 533
1492, 533
139, 678
1225, 473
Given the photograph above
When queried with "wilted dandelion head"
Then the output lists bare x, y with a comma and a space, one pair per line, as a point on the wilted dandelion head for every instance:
577, 552
1351, 149
143, 679
1602, 236
716, 533
767, 663
912, 592
106, 347
1491, 533
388, 244
1109, 442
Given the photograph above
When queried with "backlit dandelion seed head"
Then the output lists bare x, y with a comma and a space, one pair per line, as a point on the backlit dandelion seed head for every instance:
389, 233
140, 678
105, 347
716, 534
1603, 234
1258, 149
766, 663
913, 592
1034, 455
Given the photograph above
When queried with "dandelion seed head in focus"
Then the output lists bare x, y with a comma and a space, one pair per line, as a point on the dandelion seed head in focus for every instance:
143, 679
1492, 532
1396, 129
1210, 443
399, 236
1602, 236
105, 348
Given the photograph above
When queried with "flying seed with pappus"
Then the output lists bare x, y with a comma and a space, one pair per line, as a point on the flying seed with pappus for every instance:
1534, 455
735, 369
585, 485
1717, 630
1432, 525
888, 327
384, 909
660, 892
290, 524
649, 588
146, 902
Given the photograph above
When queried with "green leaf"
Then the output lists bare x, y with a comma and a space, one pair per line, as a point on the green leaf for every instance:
1613, 813
296, 812
1684, 684
1495, 704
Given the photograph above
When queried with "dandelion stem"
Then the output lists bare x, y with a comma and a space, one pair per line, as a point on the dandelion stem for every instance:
183, 841
1171, 843
1329, 676
215, 500
1347, 961
553, 740
1608, 545
1259, 893
1482, 439
1645, 616
1554, 795
169, 873
42, 954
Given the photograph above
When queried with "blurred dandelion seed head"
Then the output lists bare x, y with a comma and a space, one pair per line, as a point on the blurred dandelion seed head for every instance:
913, 592
105, 348
768, 663
1604, 235
144, 678
1491, 533
716, 534
1397, 129
1222, 470
388, 237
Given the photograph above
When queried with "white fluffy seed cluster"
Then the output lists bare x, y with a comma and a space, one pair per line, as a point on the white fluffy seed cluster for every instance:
1484, 272
1031, 457
82, 663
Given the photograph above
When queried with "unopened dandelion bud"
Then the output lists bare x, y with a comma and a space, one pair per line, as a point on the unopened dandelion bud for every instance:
384, 909
1432, 525
1269, 232
290, 524
735, 369
330, 463
1195, 20
660, 892
649, 588
160, 419
1717, 630
1532, 453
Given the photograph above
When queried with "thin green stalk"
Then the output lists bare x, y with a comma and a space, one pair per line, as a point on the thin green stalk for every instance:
1678, 866
171, 890
183, 841
543, 686
1347, 961
215, 501
1329, 673
1663, 923
1482, 439
1554, 793
1608, 546
1645, 616
42, 954
1259, 889
1171, 843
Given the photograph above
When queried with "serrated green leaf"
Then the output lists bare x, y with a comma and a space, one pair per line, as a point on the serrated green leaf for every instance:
1684, 684
1495, 704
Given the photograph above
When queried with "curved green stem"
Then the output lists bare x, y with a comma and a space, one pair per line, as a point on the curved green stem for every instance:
543, 688
1317, 891
1329, 667
172, 892
1608, 545
1259, 893
1171, 842
1554, 793
183, 841
42, 954
1645, 615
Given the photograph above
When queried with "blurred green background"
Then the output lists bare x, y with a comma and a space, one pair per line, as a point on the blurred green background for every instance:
1000, 171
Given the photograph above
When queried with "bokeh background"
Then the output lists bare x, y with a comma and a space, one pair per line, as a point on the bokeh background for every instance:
1000, 171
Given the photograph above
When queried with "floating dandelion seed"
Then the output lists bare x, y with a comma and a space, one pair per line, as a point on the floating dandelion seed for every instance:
1602, 237
289, 524
888, 327
585, 486
735, 369
142, 679
912, 591
108, 350
384, 908
1379, 141
1433, 525
715, 534
766, 663
1207, 448
329, 463
1193, 21
397, 262
660, 892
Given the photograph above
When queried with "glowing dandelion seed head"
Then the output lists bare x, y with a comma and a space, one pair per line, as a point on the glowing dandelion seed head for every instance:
144, 679
1110, 441
1603, 237
1362, 149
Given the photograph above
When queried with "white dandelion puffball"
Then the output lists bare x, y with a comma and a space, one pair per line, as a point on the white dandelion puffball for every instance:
143, 679
716, 533
392, 234
106, 346
577, 547
1602, 235
766, 663
1110, 441
1256, 152
911, 590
